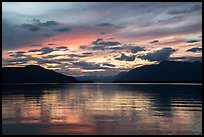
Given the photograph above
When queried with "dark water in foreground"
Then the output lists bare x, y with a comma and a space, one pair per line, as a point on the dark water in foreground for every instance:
102, 109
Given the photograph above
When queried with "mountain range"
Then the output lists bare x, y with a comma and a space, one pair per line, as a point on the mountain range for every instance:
165, 71
34, 74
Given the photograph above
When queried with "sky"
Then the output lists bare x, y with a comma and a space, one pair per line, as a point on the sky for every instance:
99, 38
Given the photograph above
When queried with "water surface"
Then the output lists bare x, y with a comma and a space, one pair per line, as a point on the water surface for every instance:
102, 109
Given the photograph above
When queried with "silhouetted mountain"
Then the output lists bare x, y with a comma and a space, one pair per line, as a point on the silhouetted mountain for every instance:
34, 74
166, 71
119, 75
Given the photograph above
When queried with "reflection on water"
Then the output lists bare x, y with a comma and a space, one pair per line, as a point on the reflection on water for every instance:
102, 109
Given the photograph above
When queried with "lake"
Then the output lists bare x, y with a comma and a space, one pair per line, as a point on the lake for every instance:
102, 109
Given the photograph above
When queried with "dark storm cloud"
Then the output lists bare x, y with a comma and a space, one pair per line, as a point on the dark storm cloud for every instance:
196, 49
63, 29
185, 11
159, 55
83, 47
192, 41
105, 24
154, 41
123, 57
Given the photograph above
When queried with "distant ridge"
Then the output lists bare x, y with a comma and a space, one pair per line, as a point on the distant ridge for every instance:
34, 74
165, 71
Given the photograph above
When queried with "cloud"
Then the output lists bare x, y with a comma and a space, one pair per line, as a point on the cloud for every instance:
34, 50
135, 49
87, 53
100, 44
97, 41
105, 24
76, 55
50, 44
67, 59
17, 54
110, 38
46, 50
185, 11
89, 65
192, 41
172, 19
123, 57
154, 41
86, 65
196, 49
116, 48
83, 47
36, 44
43, 51
63, 29
159, 55
41, 62
186, 58
50, 56
36, 24
27, 58
107, 64
98, 47
159, 32
50, 23
62, 48
30, 27
102, 33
